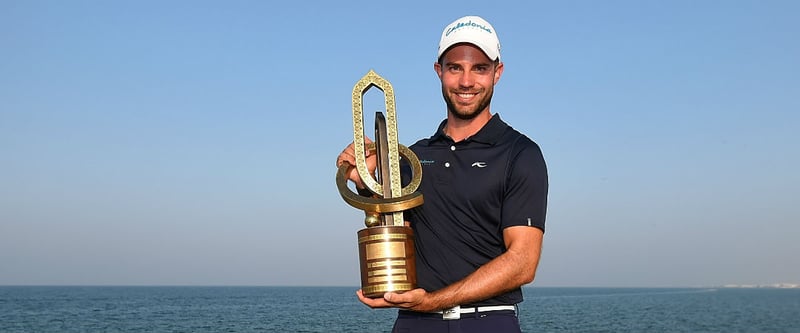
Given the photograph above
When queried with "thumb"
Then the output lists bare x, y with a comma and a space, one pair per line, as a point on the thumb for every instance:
389, 297
367, 141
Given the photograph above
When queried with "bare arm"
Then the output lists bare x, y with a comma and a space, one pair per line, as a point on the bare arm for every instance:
512, 269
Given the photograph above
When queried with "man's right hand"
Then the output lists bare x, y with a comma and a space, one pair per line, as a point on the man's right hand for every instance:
349, 155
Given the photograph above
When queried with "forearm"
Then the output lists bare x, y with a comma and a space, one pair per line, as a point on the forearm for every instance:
496, 277
513, 269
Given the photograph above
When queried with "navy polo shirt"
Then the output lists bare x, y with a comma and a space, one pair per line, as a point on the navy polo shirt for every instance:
473, 189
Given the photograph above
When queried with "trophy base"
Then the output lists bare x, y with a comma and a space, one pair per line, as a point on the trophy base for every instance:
387, 260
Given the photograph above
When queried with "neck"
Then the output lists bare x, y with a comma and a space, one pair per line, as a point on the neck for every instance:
460, 129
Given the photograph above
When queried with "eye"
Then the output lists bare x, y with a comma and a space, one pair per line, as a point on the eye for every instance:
481, 68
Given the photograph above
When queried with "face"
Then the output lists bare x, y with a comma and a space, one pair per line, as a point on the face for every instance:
468, 77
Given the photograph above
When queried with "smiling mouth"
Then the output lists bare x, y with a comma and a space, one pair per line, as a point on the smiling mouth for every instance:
466, 95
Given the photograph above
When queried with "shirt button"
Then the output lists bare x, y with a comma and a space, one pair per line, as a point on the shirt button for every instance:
453, 148
446, 164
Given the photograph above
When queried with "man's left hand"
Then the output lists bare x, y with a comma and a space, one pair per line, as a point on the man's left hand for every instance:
409, 300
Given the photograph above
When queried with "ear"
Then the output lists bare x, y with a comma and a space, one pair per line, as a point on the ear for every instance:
498, 71
438, 68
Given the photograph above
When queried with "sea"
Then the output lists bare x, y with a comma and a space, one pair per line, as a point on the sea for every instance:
336, 309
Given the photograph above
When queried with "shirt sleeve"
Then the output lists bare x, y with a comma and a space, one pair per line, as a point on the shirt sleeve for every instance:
525, 201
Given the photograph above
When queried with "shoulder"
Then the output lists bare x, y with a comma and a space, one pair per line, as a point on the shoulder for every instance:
521, 144
421, 143
503, 134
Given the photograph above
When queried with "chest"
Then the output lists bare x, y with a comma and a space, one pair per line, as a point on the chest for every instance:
464, 174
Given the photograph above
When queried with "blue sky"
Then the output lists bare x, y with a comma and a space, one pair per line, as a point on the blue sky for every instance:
193, 142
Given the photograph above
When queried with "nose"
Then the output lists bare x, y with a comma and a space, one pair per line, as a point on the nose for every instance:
466, 80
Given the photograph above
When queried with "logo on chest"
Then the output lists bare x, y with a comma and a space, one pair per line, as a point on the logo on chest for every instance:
479, 164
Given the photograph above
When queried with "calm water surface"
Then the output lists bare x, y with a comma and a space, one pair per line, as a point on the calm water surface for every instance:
336, 309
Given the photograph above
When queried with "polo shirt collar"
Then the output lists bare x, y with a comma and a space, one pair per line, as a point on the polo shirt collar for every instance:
488, 134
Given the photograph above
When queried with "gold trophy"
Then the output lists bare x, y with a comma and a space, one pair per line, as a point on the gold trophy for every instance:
386, 245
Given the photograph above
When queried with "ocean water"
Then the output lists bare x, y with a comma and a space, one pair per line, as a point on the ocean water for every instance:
336, 309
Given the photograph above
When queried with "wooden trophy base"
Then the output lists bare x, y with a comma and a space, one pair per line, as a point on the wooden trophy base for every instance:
387, 260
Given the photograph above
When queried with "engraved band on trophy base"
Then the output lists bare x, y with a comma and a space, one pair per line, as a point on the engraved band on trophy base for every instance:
387, 260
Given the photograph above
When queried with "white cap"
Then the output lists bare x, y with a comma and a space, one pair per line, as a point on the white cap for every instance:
473, 30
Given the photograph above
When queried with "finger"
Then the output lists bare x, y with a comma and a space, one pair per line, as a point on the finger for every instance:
341, 159
398, 299
411, 299
346, 156
391, 297
368, 152
372, 302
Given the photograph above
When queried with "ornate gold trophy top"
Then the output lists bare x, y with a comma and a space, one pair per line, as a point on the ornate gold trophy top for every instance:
386, 246
391, 196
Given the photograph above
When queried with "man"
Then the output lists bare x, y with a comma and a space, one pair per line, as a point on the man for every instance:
479, 232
